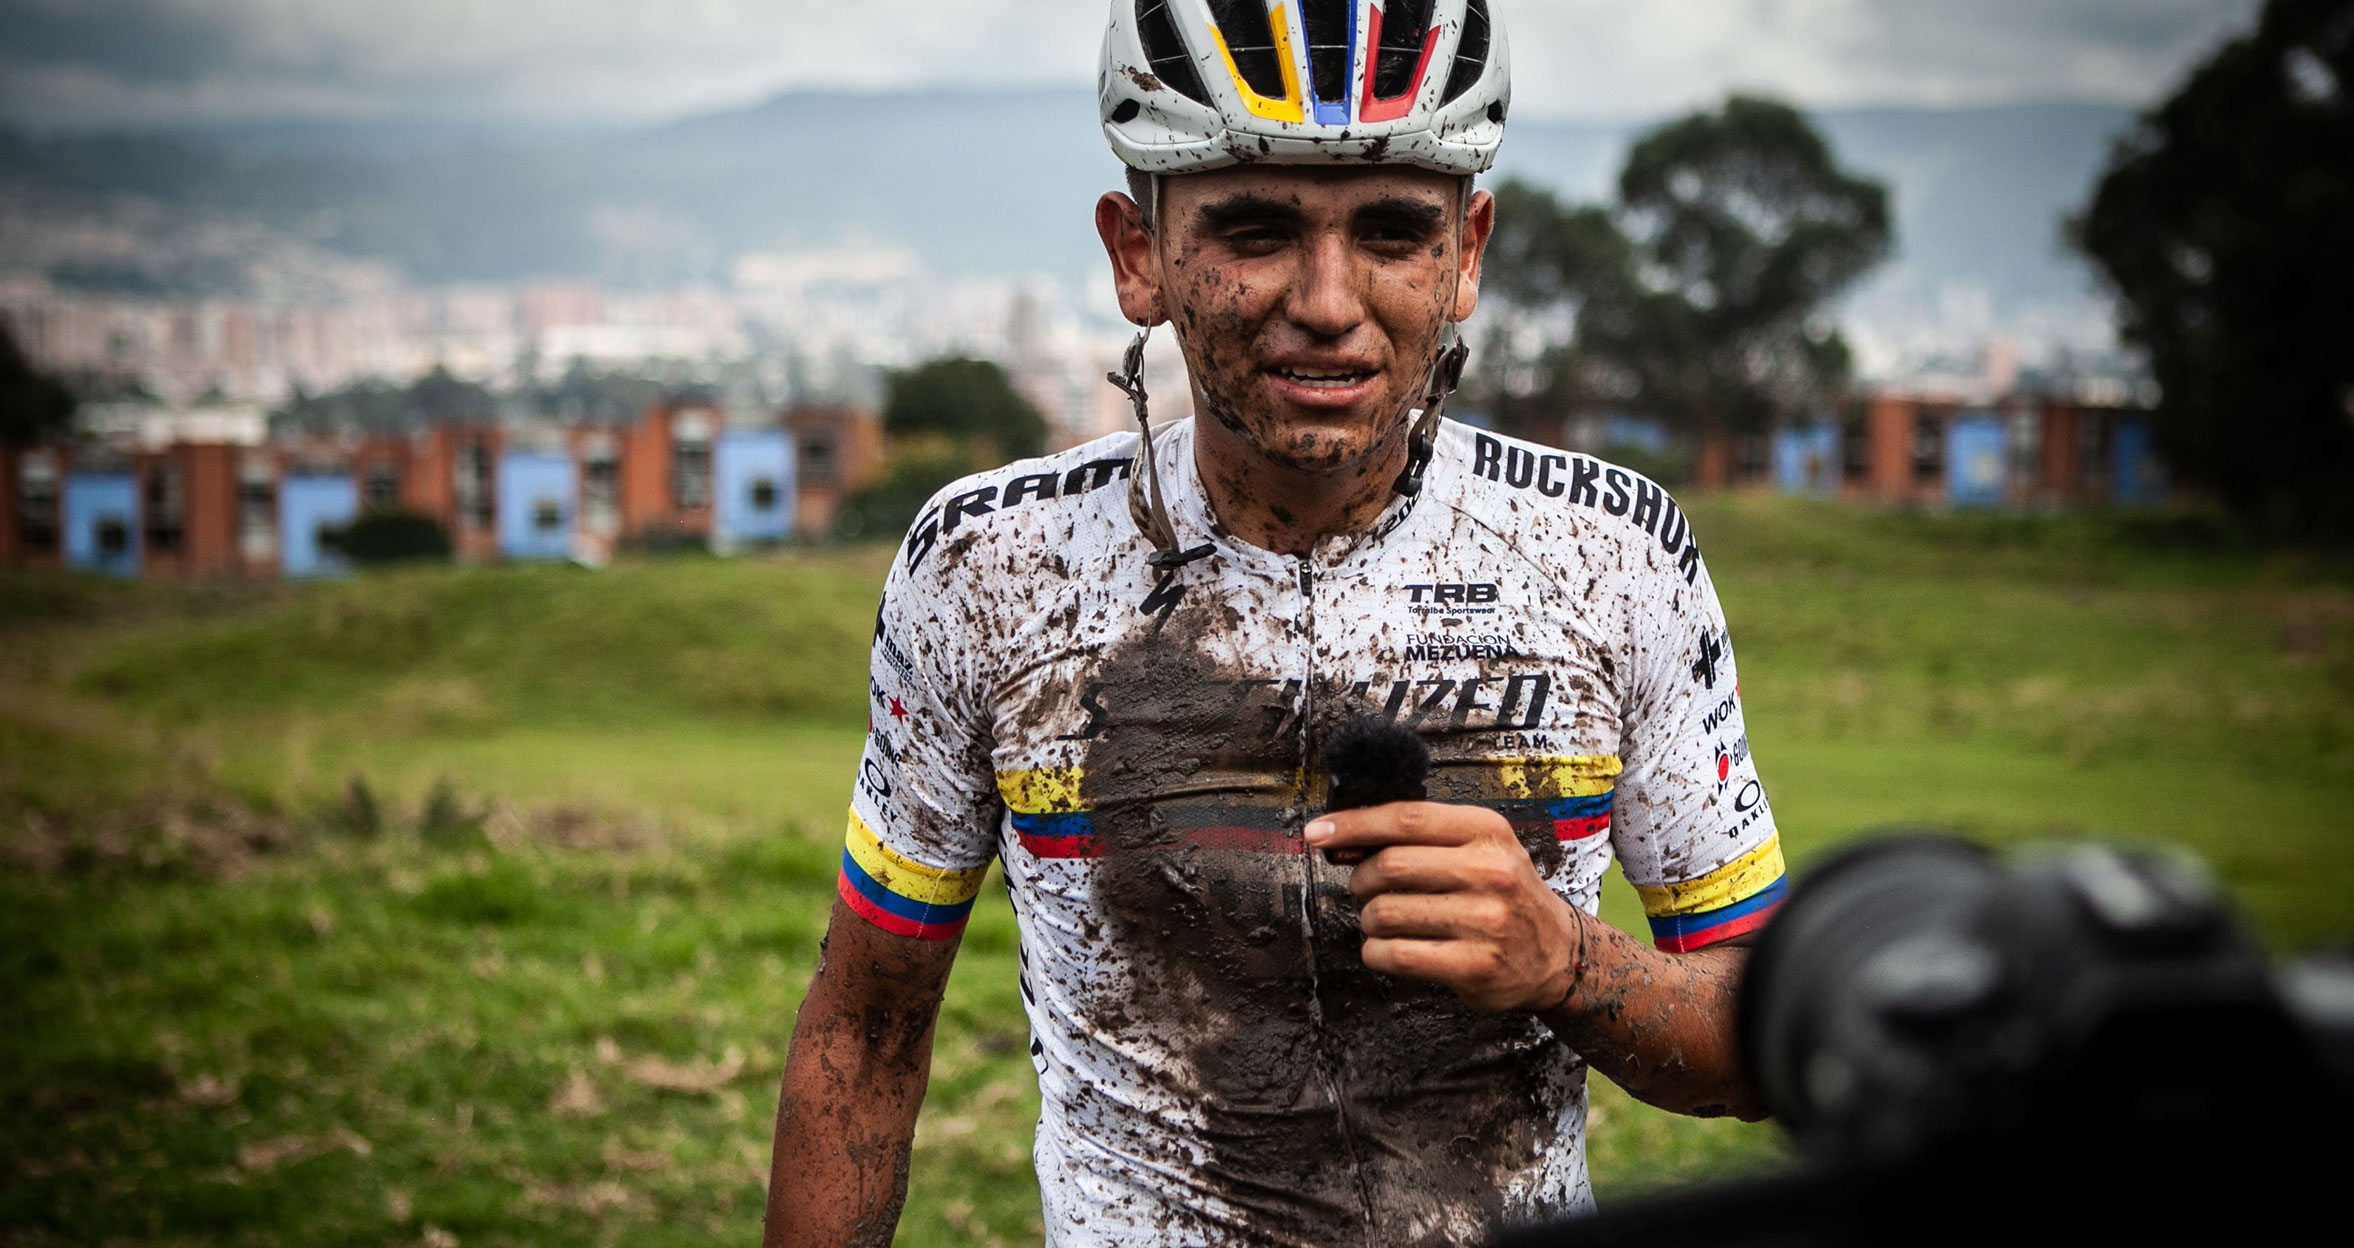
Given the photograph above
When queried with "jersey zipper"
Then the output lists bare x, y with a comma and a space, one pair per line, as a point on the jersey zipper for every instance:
1308, 902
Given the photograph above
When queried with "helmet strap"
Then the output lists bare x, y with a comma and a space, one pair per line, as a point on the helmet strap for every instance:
1446, 372
1145, 504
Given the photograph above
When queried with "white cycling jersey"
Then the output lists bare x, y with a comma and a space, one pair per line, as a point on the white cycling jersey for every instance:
1138, 748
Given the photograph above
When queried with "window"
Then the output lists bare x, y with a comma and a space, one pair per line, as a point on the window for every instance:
817, 458
1928, 447
547, 515
690, 473
164, 507
380, 488
257, 510
114, 536
476, 489
36, 503
600, 491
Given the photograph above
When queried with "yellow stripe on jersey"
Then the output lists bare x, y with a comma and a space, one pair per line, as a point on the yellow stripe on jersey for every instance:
1738, 880
1048, 790
938, 886
1578, 775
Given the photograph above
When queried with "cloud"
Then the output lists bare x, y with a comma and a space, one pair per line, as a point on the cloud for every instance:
82, 63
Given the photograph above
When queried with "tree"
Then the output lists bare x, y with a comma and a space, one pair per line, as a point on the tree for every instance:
2224, 224
1698, 297
968, 400
33, 405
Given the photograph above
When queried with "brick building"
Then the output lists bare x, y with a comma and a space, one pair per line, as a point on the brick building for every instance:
194, 499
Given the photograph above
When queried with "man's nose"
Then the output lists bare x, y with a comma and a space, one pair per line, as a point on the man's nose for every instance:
1328, 296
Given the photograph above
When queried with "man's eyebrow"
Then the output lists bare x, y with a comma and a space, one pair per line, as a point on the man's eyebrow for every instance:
1398, 212
1247, 208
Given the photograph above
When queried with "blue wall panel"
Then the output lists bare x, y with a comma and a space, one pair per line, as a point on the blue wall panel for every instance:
1974, 460
1806, 460
753, 475
537, 505
102, 522
307, 504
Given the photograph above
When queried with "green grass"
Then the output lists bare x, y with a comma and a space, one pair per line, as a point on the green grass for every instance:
242, 1008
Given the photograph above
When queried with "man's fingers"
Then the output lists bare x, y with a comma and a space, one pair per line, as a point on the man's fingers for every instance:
1498, 869
1425, 916
1401, 823
1450, 962
1416, 869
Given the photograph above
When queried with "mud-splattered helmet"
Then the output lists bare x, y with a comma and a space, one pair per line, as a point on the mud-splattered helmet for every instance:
1189, 85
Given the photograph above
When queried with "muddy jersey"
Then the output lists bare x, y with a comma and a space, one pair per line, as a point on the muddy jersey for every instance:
1138, 748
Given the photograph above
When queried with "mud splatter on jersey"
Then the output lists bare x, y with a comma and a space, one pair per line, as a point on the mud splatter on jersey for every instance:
1217, 1065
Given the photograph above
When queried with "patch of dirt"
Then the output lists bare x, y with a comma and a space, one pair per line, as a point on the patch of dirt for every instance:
163, 836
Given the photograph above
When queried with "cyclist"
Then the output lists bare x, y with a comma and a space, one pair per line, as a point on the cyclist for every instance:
1111, 670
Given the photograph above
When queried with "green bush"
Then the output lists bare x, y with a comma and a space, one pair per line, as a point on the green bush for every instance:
389, 537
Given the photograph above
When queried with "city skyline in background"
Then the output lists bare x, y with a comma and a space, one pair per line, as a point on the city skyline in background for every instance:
338, 196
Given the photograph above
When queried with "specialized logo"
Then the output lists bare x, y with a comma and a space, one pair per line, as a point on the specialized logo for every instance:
1589, 482
1513, 702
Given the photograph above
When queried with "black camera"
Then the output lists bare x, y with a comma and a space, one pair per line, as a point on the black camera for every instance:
2080, 1044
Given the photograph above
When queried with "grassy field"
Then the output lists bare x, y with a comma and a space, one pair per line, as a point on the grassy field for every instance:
472, 906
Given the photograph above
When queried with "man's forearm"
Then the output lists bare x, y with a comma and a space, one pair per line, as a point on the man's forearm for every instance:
854, 1082
1661, 1025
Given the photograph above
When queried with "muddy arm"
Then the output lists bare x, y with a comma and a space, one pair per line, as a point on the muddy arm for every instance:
1661, 1025
854, 1079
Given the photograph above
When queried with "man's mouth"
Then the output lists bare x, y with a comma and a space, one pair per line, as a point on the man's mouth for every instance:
1324, 378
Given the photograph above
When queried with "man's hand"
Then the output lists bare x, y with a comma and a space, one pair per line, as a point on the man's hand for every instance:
1449, 895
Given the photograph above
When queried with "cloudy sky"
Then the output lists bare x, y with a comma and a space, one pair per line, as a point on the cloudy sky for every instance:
111, 63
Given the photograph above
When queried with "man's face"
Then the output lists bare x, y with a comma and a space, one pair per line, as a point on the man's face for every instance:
1309, 303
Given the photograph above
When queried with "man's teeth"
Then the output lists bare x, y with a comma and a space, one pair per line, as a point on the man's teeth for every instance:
1312, 377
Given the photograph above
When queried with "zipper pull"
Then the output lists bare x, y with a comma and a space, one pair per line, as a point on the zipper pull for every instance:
1307, 578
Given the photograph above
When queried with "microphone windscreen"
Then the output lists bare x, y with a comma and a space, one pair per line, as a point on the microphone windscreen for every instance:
1374, 761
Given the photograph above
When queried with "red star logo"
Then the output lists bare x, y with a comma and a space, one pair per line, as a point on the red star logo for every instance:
897, 711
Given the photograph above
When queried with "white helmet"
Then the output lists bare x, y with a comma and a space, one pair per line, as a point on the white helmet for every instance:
1189, 85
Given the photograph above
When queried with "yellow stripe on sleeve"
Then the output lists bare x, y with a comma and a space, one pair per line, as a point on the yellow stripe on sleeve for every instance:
1578, 775
1738, 880
1046, 791
939, 886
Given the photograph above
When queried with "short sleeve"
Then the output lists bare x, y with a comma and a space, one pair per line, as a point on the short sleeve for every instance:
923, 810
1691, 825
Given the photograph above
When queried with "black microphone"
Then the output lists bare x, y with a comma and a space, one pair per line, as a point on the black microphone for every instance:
1373, 762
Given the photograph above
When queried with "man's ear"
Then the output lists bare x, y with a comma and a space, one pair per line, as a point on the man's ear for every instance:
1479, 222
1120, 223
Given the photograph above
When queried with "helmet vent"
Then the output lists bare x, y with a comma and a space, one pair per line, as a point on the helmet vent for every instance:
1250, 38
1405, 24
1328, 46
1171, 63
1471, 52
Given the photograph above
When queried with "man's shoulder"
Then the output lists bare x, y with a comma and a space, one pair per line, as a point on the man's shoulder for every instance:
1060, 498
1561, 504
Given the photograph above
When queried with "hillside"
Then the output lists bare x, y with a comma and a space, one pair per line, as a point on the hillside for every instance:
480, 900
